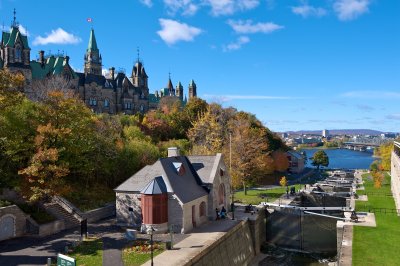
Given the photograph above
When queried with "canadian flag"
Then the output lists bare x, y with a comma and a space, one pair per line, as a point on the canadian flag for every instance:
89, 19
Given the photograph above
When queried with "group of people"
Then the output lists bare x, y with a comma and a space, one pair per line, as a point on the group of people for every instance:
220, 214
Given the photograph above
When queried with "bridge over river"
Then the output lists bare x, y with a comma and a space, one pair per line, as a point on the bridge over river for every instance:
360, 146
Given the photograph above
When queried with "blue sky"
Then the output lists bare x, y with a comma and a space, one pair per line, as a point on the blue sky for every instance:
296, 64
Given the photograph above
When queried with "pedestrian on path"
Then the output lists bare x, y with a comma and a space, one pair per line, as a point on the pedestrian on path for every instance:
217, 212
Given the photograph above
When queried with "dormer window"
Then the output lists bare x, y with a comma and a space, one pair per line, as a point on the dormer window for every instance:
180, 169
221, 172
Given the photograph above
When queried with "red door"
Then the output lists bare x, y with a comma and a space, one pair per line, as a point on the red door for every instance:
194, 215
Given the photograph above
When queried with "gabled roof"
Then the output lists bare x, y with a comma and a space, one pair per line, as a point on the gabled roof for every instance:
295, 154
187, 186
156, 186
206, 166
10, 38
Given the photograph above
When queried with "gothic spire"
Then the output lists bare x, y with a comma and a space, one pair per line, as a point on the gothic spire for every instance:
92, 46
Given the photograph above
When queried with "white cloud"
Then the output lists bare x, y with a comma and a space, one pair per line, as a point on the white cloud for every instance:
148, 3
306, 10
188, 7
372, 95
23, 30
58, 36
247, 27
173, 31
229, 7
237, 44
350, 9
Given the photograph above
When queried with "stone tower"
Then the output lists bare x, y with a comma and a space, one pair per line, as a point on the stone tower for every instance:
139, 77
15, 52
192, 89
179, 91
92, 57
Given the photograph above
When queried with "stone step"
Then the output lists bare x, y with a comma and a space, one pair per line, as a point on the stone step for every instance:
61, 214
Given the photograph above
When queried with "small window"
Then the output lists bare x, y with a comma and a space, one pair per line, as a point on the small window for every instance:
128, 105
221, 172
18, 53
179, 168
130, 209
106, 103
92, 102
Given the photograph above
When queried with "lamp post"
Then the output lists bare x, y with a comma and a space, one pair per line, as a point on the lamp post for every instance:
230, 172
150, 231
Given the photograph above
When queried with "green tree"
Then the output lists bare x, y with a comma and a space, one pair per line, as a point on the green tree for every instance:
320, 158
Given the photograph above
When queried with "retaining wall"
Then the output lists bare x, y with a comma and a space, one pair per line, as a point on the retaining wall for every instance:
51, 228
395, 179
100, 213
233, 248
19, 219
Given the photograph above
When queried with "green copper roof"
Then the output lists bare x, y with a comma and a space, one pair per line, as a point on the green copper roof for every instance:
153, 98
10, 38
52, 66
92, 46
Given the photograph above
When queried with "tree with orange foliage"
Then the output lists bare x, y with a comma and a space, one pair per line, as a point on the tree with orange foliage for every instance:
281, 162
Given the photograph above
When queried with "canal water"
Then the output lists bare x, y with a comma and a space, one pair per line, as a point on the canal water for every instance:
344, 158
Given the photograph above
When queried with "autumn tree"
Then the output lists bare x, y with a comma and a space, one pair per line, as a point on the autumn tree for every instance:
11, 85
250, 158
42, 88
320, 158
283, 181
45, 173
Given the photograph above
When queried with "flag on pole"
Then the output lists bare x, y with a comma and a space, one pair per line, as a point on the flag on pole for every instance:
89, 20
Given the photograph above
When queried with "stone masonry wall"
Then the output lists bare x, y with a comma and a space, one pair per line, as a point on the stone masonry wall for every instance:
124, 201
395, 178
19, 218
100, 213
234, 248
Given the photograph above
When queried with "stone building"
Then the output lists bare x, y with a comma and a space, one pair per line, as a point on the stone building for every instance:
115, 93
178, 191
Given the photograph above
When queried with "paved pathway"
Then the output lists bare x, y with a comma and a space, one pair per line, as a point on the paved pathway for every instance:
35, 251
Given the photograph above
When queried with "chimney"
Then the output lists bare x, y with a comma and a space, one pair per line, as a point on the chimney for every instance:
173, 152
112, 72
41, 57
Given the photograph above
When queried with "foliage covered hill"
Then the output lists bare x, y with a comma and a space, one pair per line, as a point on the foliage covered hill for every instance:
57, 145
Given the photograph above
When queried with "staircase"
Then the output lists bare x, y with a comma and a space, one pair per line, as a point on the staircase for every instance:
60, 213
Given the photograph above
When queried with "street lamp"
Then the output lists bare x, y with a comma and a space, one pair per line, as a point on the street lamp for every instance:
150, 231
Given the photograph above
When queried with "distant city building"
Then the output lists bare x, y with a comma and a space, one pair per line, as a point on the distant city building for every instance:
388, 135
325, 133
284, 135
115, 93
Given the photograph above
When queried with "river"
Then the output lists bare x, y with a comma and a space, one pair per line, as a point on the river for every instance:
344, 158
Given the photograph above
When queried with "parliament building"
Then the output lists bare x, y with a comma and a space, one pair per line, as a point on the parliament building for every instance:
114, 93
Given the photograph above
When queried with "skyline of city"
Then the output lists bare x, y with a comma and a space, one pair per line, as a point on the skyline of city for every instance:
296, 66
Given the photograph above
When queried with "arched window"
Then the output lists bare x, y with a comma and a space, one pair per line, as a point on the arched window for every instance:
92, 102
202, 209
106, 103
221, 194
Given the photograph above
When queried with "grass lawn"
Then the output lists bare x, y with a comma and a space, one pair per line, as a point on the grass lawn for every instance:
89, 252
138, 252
380, 245
254, 195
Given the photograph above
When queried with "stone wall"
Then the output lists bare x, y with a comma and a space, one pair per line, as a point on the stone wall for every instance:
124, 201
233, 248
175, 214
100, 213
51, 228
19, 219
395, 179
